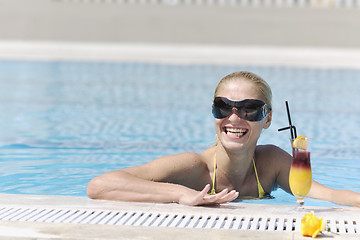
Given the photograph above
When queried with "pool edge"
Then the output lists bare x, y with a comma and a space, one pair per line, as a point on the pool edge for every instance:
298, 56
43, 230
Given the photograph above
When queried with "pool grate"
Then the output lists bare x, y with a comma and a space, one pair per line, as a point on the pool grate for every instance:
161, 219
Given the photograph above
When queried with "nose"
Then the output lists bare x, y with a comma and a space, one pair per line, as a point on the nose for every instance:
234, 116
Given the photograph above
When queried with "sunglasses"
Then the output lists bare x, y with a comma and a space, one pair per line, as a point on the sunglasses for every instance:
249, 109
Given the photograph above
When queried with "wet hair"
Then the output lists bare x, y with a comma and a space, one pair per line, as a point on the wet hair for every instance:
262, 86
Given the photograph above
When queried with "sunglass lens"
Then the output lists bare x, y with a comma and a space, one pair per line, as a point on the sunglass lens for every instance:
221, 109
221, 112
252, 110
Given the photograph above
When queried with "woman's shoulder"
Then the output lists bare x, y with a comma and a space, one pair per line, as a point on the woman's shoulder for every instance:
272, 152
187, 155
269, 148
202, 160
188, 158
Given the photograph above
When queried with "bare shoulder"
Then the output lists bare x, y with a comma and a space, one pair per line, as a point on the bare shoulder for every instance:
272, 153
186, 159
273, 157
170, 166
187, 156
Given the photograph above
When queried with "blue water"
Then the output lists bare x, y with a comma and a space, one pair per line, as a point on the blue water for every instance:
63, 123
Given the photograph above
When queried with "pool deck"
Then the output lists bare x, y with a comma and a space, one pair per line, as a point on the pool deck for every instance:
183, 54
107, 21
13, 228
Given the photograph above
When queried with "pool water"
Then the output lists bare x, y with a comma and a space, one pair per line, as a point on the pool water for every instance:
63, 123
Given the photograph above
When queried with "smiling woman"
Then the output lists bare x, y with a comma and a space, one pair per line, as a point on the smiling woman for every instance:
236, 166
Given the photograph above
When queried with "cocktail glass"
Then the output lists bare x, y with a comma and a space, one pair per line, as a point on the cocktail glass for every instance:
300, 177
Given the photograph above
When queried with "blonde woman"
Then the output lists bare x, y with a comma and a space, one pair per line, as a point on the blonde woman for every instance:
235, 167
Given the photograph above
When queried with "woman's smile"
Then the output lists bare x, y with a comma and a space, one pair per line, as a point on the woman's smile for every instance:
235, 132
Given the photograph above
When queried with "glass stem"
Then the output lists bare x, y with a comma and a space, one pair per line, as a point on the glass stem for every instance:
300, 203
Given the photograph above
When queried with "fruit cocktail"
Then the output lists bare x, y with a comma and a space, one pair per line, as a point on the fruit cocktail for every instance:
300, 177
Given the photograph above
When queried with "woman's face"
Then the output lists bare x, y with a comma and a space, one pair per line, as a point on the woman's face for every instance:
235, 133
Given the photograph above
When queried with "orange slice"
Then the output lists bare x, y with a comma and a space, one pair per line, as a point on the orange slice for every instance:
301, 142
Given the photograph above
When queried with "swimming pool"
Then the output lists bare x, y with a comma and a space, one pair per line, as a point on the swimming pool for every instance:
65, 122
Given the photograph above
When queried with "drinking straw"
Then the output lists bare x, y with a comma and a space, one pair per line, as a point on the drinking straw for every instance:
291, 127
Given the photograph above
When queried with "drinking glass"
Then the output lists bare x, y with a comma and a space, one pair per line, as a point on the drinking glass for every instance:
300, 177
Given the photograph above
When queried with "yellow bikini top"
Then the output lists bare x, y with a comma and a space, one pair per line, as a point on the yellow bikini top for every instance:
260, 188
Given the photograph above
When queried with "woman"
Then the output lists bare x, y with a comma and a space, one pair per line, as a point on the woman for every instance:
235, 167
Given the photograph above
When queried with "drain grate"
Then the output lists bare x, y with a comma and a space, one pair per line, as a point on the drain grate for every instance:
160, 219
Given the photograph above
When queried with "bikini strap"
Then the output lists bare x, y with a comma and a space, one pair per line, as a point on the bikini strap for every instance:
213, 180
260, 188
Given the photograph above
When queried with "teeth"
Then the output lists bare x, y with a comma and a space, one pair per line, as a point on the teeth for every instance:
238, 132
235, 134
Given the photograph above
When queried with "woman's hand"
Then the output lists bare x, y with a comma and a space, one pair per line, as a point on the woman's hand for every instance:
203, 198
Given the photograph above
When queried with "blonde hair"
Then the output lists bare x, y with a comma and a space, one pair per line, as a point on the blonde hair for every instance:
262, 86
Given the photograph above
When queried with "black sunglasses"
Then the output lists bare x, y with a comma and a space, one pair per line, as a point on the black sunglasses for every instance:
249, 109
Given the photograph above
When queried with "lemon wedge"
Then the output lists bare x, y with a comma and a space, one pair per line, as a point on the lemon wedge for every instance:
301, 142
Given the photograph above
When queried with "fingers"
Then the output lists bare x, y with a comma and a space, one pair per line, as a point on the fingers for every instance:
222, 197
200, 197
228, 197
193, 197
205, 189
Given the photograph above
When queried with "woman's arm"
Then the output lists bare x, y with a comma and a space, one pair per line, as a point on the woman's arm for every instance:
152, 182
318, 191
282, 161
342, 197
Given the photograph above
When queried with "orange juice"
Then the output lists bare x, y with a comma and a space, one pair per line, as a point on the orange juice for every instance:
300, 176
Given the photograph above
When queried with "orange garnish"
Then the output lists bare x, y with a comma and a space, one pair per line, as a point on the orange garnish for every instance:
301, 142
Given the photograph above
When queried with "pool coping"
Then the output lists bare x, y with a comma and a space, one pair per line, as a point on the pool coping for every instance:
296, 56
42, 230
